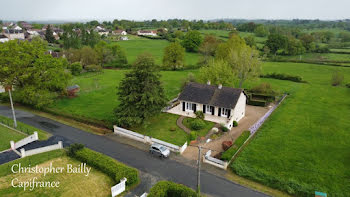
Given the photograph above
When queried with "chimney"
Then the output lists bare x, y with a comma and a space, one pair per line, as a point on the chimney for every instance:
220, 86
208, 82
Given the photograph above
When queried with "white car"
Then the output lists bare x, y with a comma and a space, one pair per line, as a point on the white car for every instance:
159, 150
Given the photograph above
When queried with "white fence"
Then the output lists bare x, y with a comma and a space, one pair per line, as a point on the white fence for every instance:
118, 188
24, 141
144, 195
148, 140
25, 153
213, 161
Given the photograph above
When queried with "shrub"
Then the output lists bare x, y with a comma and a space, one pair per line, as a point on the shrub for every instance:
76, 68
72, 149
228, 154
107, 165
193, 135
234, 123
199, 114
283, 77
224, 128
264, 88
337, 78
226, 145
93, 68
257, 103
197, 124
171, 189
348, 85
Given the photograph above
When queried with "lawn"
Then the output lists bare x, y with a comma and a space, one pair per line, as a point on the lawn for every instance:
304, 146
221, 34
27, 129
6, 135
133, 48
97, 97
96, 184
202, 132
163, 127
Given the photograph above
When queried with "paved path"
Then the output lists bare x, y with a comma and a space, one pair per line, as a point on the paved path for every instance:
183, 127
162, 169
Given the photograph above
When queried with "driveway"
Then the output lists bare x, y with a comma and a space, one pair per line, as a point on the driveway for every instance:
162, 169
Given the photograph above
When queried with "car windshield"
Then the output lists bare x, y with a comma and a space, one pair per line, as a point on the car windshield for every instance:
162, 148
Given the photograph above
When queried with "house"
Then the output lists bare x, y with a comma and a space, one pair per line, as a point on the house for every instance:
2, 89
32, 33
3, 38
120, 32
219, 104
124, 38
12, 34
147, 33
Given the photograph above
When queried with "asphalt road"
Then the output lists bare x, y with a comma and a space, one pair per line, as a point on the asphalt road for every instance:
163, 169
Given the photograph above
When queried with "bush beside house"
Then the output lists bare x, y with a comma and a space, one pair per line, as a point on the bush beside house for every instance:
227, 155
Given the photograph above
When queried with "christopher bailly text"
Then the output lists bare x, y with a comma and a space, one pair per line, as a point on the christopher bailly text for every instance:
33, 183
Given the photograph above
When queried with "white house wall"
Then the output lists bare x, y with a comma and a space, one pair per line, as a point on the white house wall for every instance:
239, 110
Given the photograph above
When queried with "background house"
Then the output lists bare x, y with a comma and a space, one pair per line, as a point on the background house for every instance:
147, 33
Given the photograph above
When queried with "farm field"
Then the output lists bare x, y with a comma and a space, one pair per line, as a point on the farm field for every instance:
6, 135
304, 146
97, 97
221, 34
96, 184
135, 47
319, 57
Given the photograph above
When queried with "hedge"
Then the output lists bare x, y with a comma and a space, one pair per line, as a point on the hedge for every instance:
107, 165
257, 103
171, 189
283, 77
227, 155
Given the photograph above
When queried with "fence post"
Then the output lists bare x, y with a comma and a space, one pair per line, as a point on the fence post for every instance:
12, 143
60, 145
36, 137
23, 153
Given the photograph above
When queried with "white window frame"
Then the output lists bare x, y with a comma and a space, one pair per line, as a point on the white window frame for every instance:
224, 112
208, 109
189, 106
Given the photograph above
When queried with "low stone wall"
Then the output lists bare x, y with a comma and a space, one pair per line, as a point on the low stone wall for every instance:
207, 158
25, 153
148, 140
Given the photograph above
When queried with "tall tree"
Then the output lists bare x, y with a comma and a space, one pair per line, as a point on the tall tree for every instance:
217, 72
192, 41
208, 48
276, 42
38, 78
140, 93
174, 56
49, 35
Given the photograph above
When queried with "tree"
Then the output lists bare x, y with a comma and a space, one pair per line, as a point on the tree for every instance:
250, 41
294, 47
88, 56
49, 35
308, 42
208, 48
140, 93
245, 63
217, 72
174, 56
38, 78
234, 43
76, 68
110, 54
192, 41
261, 31
276, 42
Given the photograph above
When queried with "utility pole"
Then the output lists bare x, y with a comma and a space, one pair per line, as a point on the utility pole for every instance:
199, 172
13, 110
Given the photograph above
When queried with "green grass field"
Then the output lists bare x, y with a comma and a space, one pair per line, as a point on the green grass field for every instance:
6, 135
135, 47
97, 97
221, 34
319, 57
304, 146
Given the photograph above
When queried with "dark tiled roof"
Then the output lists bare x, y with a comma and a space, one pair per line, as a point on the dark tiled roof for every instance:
73, 87
211, 95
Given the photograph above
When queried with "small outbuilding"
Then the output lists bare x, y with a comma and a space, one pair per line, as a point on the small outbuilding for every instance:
73, 90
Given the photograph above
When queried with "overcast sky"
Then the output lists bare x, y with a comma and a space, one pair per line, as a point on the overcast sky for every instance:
165, 9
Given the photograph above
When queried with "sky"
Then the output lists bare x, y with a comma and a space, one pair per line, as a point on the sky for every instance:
39, 10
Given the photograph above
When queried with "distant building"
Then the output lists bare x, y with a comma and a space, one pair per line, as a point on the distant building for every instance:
32, 33
3, 38
147, 33
13, 34
2, 89
124, 38
120, 32
26, 25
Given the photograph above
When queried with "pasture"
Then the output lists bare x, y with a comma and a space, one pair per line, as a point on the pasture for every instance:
304, 146
135, 47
